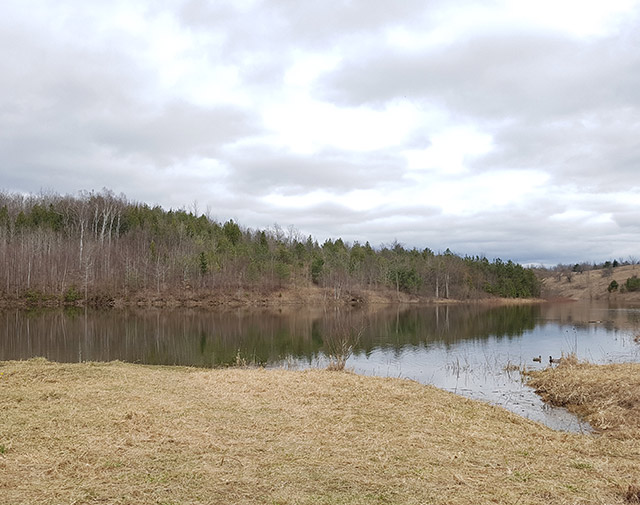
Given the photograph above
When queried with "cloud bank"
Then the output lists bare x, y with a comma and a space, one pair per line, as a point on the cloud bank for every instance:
488, 127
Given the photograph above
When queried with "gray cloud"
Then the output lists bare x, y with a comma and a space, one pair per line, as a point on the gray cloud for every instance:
292, 24
264, 170
552, 103
598, 152
85, 114
177, 131
81, 108
500, 76
262, 41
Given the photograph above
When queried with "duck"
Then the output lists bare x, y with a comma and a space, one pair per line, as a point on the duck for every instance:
554, 360
538, 359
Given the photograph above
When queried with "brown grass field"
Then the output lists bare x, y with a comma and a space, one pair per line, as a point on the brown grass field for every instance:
119, 433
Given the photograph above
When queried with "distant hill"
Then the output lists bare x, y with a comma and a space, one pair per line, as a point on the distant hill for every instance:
592, 284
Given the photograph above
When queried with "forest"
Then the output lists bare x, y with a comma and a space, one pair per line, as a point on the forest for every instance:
98, 247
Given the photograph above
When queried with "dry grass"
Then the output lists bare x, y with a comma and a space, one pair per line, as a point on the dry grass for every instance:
608, 396
127, 434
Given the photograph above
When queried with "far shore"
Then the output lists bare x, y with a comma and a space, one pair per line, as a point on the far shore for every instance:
285, 297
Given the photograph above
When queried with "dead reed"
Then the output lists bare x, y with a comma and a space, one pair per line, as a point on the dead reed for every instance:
608, 396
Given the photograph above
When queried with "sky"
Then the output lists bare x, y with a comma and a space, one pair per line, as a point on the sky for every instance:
506, 128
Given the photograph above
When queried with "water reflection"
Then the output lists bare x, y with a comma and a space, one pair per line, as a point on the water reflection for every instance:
461, 348
213, 338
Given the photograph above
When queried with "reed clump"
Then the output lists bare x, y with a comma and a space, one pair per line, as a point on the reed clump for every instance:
130, 434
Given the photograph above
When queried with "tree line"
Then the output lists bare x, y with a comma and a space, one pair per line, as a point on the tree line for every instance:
98, 245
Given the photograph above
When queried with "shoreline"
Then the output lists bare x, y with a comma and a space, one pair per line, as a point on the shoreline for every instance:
252, 299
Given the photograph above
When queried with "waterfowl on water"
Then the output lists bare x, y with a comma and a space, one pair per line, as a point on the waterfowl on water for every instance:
555, 360
538, 359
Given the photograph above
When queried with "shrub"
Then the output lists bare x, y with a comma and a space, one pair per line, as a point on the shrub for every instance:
613, 286
33, 296
633, 283
72, 295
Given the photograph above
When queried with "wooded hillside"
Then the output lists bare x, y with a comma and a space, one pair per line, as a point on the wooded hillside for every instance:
99, 246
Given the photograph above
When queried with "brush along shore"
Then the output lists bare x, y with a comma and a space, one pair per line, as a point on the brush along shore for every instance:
284, 297
129, 434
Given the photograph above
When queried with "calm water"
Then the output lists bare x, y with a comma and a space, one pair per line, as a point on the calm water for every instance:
464, 349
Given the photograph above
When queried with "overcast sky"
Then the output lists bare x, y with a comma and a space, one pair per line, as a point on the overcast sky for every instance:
509, 128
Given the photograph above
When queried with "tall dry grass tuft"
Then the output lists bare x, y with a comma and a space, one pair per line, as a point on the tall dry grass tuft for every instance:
570, 359
607, 396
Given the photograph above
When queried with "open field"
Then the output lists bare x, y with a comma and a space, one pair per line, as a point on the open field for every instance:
121, 433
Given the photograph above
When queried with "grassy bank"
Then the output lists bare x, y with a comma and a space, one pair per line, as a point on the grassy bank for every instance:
120, 433
608, 396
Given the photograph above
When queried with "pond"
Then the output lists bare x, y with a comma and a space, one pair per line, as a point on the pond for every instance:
473, 350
